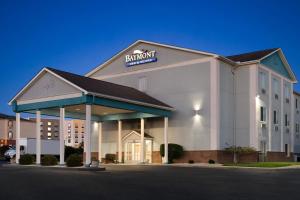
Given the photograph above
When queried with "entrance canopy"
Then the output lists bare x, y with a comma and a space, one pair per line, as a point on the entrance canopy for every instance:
52, 89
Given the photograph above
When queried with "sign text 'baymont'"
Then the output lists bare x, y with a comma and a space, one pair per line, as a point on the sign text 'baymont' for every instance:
140, 57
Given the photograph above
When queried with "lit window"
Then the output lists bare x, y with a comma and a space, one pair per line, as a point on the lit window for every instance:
69, 125
143, 84
263, 116
49, 128
10, 135
49, 123
49, 138
49, 134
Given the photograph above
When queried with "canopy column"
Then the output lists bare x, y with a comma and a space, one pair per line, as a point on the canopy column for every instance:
87, 137
61, 136
142, 149
18, 133
166, 157
100, 141
119, 141
38, 137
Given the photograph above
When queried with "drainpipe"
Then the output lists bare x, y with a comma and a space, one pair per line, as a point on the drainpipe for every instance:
234, 117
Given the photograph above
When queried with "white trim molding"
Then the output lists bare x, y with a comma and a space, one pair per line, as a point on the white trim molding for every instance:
253, 130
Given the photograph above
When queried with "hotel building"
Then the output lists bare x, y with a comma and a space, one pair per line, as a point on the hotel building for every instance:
151, 94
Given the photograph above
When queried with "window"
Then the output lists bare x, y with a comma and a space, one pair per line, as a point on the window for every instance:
49, 123
263, 81
263, 114
287, 92
10, 124
287, 150
296, 102
69, 125
142, 84
49, 128
49, 134
286, 121
10, 135
275, 117
276, 87
297, 128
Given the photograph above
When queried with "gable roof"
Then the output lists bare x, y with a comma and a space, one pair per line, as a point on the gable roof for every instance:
138, 133
104, 89
251, 56
151, 43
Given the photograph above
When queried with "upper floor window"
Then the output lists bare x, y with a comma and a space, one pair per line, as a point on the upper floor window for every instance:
263, 81
286, 120
275, 117
287, 93
297, 128
49, 123
10, 124
142, 84
263, 114
276, 88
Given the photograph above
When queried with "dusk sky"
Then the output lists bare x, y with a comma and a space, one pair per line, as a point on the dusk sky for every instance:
77, 36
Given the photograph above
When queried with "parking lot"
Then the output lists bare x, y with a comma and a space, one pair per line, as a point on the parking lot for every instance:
149, 182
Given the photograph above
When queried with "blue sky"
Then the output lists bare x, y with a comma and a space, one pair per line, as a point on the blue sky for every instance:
79, 35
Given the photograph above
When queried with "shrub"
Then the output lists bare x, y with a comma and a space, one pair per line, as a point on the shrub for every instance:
211, 161
74, 160
191, 161
72, 150
49, 160
26, 159
110, 157
174, 151
237, 151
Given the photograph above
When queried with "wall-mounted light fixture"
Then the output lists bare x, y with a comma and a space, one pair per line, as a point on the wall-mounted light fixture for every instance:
197, 111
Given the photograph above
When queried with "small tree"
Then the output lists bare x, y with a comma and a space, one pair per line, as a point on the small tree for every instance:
174, 151
237, 151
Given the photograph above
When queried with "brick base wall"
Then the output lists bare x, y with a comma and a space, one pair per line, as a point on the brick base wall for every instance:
279, 157
216, 155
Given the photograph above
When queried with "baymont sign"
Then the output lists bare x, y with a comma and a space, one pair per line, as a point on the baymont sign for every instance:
140, 57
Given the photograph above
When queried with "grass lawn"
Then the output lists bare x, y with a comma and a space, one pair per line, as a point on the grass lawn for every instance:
264, 164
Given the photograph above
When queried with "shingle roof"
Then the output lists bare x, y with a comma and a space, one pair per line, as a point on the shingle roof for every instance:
107, 88
251, 56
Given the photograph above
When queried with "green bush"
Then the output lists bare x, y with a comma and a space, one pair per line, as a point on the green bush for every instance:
72, 150
191, 161
49, 160
26, 159
174, 151
211, 161
74, 160
110, 157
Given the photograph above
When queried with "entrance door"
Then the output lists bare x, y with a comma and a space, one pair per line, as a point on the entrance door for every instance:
133, 151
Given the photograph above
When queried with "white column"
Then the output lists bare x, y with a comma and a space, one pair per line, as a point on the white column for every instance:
270, 113
142, 149
292, 113
120, 141
166, 157
18, 133
61, 136
38, 137
282, 115
87, 137
99, 141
